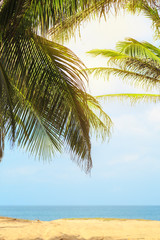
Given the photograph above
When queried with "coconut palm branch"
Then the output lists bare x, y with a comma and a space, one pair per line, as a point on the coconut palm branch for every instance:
44, 106
62, 18
132, 97
152, 11
135, 62
138, 63
47, 14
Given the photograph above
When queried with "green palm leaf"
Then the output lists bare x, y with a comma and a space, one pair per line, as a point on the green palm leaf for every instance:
132, 97
136, 62
151, 11
133, 48
65, 25
131, 77
57, 97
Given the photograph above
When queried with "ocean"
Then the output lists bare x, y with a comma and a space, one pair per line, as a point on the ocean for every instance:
48, 213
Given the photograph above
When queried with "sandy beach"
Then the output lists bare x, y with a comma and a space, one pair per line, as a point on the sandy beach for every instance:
78, 229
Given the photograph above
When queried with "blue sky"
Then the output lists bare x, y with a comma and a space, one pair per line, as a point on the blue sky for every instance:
126, 170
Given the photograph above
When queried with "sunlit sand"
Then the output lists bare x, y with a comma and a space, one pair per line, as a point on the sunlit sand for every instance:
79, 229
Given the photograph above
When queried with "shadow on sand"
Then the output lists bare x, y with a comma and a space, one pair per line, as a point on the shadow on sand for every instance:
67, 237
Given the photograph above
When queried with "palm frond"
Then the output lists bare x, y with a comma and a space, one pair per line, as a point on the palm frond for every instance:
59, 16
151, 11
51, 107
105, 53
52, 83
34, 132
133, 48
152, 48
66, 25
6, 102
132, 97
131, 77
136, 62
141, 66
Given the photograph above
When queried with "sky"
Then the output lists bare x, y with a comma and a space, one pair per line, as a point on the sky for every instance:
125, 170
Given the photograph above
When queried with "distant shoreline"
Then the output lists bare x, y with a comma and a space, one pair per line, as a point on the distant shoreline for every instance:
79, 229
101, 219
49, 213
71, 219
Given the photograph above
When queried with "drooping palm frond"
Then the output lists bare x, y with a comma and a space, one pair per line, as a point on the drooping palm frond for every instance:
133, 78
152, 11
86, 11
52, 84
76, 12
63, 16
45, 106
54, 15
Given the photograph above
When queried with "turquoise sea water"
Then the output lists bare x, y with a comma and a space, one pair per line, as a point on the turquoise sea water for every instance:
48, 213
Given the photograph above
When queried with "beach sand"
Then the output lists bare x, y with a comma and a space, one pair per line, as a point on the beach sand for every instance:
79, 229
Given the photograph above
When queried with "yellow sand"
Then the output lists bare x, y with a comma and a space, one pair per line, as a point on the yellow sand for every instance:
79, 229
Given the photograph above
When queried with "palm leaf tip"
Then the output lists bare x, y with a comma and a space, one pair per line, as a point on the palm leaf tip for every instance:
100, 123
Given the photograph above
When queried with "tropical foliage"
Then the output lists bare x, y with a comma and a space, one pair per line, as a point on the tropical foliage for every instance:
138, 63
135, 62
43, 100
151, 11
75, 12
